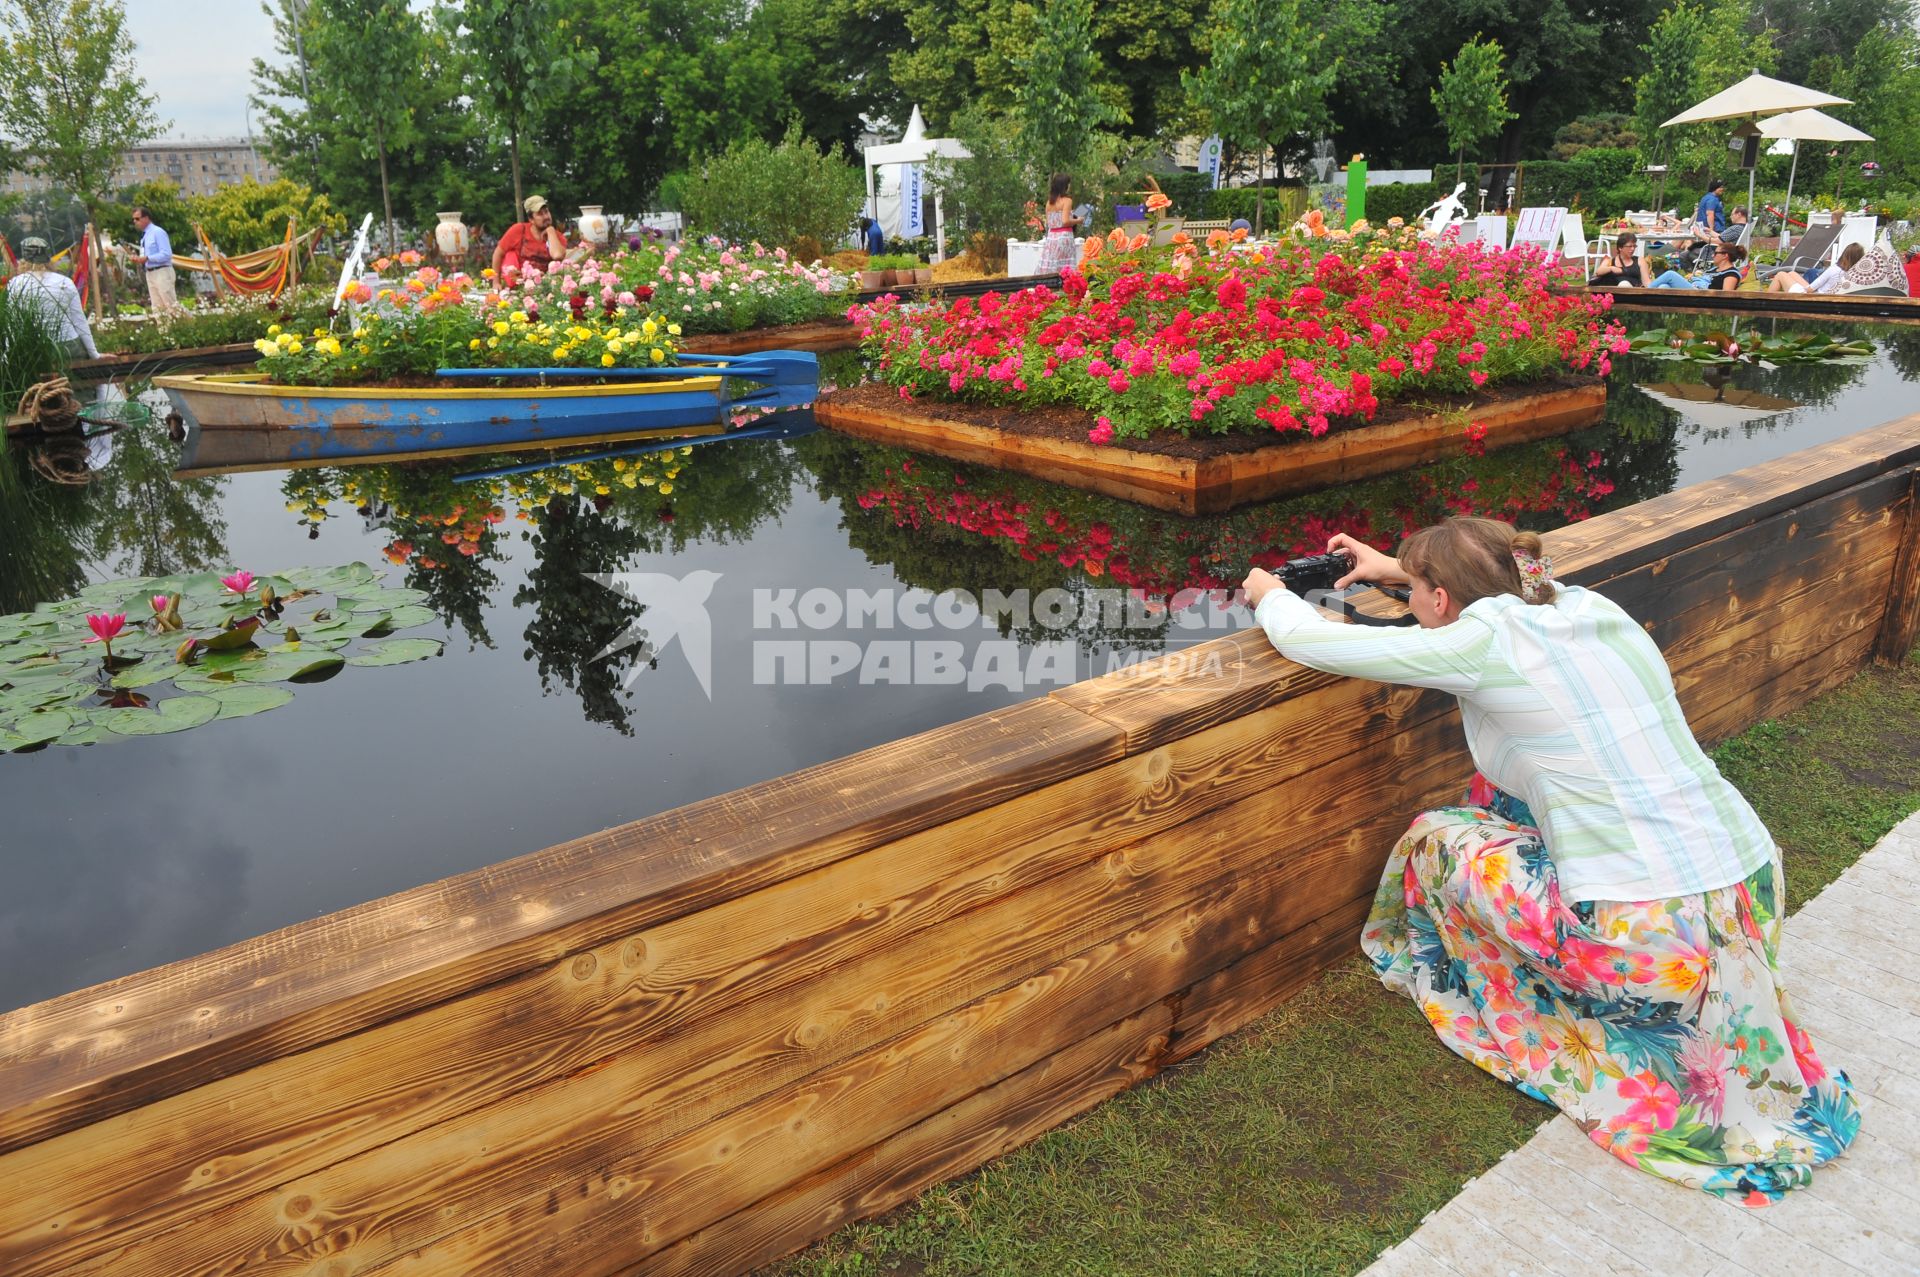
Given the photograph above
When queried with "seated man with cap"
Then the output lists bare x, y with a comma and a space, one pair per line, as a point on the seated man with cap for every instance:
535, 242
56, 298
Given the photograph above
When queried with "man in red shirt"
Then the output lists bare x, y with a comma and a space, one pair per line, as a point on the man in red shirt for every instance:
534, 242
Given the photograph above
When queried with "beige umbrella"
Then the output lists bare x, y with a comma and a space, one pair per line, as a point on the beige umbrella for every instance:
1717, 407
1753, 97
1806, 125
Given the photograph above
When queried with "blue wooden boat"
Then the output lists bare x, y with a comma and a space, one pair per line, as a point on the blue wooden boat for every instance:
701, 395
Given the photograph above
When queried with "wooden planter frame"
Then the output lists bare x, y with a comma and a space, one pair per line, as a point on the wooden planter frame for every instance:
1187, 485
695, 1042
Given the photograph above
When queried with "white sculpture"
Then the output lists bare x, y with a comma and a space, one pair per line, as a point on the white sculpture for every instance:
1444, 212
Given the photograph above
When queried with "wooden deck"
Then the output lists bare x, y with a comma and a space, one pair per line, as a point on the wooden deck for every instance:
1559, 1205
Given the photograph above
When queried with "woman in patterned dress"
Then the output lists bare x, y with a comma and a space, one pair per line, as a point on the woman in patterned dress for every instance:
1057, 251
1599, 924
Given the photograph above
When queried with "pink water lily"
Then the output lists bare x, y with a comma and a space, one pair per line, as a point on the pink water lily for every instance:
159, 604
105, 627
239, 583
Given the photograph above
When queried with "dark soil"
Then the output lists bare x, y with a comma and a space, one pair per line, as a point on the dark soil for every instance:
1072, 424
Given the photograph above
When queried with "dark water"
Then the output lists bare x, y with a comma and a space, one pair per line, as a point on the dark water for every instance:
121, 856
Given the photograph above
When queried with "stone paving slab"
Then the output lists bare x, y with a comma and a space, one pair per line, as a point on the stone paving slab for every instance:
1559, 1207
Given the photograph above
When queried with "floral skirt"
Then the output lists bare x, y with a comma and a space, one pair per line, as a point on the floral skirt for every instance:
1659, 1026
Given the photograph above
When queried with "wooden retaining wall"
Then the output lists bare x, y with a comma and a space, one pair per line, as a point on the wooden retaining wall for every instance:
695, 1042
1213, 485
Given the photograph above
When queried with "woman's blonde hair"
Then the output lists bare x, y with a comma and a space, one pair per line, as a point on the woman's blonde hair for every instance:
1472, 559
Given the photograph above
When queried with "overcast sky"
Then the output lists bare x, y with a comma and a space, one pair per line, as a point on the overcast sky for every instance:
198, 61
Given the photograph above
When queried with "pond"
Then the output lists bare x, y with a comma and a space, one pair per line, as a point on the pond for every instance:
787, 586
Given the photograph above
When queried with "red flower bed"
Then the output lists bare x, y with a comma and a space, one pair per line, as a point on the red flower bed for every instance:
1293, 338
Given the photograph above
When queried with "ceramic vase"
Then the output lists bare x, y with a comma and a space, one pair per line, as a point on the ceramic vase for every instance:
450, 235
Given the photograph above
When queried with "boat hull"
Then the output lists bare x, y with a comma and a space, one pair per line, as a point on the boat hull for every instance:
359, 422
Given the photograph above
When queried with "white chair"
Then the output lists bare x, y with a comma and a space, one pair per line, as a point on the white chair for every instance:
1574, 243
1491, 228
1855, 228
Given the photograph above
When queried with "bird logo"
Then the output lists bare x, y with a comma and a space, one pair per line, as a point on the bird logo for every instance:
675, 608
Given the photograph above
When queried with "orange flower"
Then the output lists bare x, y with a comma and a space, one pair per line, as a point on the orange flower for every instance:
1135, 244
1239, 233
1091, 250
1216, 240
1181, 237
1157, 201
1117, 240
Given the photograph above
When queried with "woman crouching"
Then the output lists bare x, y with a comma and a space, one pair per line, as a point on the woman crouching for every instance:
1600, 923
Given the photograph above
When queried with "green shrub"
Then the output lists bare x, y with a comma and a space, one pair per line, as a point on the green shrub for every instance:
1403, 200
893, 261
235, 321
1284, 204
775, 195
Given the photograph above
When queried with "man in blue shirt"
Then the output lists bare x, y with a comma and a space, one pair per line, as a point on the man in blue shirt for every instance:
156, 255
1712, 212
875, 238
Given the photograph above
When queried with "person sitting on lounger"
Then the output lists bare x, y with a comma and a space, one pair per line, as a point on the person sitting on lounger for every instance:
1622, 265
1738, 227
1724, 277
1826, 281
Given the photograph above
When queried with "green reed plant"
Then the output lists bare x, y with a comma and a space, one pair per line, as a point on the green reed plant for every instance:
29, 349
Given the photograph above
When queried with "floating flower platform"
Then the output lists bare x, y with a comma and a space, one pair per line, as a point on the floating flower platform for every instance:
1211, 474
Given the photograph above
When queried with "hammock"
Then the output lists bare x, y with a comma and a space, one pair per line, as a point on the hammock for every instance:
264, 271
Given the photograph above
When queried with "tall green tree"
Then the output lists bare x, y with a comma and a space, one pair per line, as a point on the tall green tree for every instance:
1693, 52
517, 54
1268, 76
1471, 97
366, 63
1060, 107
71, 98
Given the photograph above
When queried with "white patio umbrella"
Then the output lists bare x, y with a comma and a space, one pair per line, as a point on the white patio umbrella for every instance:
1753, 97
1807, 125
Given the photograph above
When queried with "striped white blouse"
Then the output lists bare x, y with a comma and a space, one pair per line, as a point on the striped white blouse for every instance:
1570, 708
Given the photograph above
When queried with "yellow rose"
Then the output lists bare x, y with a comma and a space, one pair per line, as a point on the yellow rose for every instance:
619, 463
606, 361
273, 330
475, 343
649, 328
657, 355
500, 329
673, 330
359, 332
294, 347
518, 317
614, 348
601, 489
266, 347
665, 488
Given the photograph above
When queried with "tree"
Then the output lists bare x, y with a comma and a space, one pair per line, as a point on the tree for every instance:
1059, 106
367, 58
1472, 98
71, 99
793, 195
1694, 52
250, 215
518, 52
1268, 77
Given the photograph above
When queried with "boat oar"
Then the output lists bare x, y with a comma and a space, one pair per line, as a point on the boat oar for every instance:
802, 424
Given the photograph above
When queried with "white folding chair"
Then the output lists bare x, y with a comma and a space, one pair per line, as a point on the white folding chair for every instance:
1491, 228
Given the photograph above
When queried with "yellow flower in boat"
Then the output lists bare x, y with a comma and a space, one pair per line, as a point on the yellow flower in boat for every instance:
266, 347
493, 343
629, 480
475, 344
601, 489
619, 463
614, 348
657, 355
559, 352
273, 330
649, 328
327, 346
673, 330
578, 333
606, 361
649, 480
294, 347
359, 333
500, 328
665, 488
518, 317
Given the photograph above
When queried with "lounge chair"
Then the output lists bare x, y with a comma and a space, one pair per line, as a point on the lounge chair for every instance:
1877, 274
1813, 249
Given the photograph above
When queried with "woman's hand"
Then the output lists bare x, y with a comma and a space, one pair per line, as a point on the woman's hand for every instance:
1368, 563
1259, 584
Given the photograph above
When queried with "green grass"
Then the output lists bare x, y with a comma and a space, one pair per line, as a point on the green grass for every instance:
1322, 1134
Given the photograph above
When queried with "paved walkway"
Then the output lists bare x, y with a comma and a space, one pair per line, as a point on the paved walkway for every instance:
1559, 1206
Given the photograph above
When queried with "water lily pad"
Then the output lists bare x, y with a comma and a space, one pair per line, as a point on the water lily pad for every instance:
404, 618
287, 666
338, 580
228, 639
154, 669
175, 714
41, 725
396, 652
243, 699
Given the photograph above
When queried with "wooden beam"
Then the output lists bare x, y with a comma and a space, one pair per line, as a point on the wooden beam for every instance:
1901, 630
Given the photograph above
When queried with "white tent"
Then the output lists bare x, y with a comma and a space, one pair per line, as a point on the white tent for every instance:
891, 159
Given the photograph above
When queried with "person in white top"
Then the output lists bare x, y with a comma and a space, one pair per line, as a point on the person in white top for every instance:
55, 296
1826, 281
1599, 923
